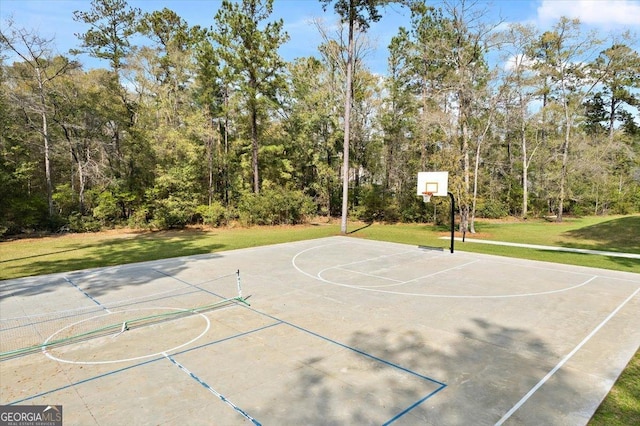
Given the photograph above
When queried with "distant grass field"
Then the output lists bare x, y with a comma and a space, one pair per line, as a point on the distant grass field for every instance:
612, 233
67, 252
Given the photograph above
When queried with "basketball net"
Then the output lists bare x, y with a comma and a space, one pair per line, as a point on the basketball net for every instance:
426, 196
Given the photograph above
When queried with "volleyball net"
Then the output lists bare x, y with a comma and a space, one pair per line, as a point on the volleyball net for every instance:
32, 333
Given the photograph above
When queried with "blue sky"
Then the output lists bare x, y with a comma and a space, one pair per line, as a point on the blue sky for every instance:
54, 18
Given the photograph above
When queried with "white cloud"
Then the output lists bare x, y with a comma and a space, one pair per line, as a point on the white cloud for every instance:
518, 61
593, 12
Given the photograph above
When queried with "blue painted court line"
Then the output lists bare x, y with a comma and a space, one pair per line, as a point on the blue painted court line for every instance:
196, 289
193, 285
383, 361
71, 315
86, 294
351, 348
278, 322
358, 351
213, 391
235, 336
103, 307
90, 379
138, 365
368, 355
155, 299
412, 406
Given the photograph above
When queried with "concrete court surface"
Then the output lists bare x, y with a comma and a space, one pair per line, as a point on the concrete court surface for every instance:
340, 331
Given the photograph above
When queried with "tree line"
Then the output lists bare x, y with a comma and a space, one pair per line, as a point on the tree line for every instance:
210, 125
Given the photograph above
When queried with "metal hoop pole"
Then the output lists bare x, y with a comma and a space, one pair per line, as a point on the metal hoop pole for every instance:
453, 218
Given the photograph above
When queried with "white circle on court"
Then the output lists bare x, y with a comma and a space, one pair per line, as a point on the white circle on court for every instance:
162, 352
320, 276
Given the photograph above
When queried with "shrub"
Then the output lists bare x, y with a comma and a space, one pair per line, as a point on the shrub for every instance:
107, 209
30, 212
213, 215
140, 218
377, 205
64, 199
412, 211
80, 223
173, 212
442, 207
276, 206
491, 209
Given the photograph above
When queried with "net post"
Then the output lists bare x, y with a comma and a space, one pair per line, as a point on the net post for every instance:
238, 283
239, 298
125, 327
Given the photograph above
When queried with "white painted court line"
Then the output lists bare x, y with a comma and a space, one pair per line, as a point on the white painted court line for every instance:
564, 360
397, 282
551, 248
319, 276
46, 352
365, 274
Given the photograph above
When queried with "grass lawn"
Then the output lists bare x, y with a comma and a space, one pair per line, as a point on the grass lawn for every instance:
622, 405
68, 252
612, 233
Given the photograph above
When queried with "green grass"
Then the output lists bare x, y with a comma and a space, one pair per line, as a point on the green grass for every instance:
612, 233
622, 405
64, 253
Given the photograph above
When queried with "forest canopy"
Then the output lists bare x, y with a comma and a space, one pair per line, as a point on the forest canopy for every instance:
186, 124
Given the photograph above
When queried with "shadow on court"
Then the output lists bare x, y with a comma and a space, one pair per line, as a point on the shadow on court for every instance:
112, 252
341, 331
324, 405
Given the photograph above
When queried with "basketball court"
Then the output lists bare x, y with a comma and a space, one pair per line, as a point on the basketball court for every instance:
322, 332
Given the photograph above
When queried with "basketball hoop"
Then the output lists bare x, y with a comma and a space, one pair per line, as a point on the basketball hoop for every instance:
426, 196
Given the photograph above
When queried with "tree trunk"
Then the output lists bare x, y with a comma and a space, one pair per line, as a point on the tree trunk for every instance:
472, 224
81, 185
212, 145
525, 162
564, 170
210, 165
47, 164
612, 117
45, 136
347, 119
423, 144
464, 199
254, 149
225, 166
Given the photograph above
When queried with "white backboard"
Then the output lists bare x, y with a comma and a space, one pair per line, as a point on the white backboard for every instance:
435, 182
